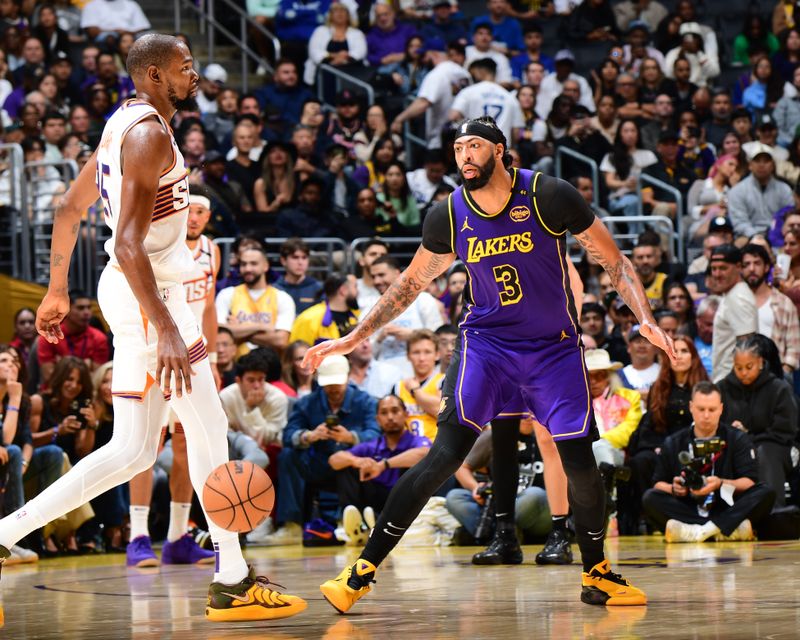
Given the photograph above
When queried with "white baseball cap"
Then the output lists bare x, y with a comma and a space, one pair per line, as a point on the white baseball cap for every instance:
216, 73
333, 370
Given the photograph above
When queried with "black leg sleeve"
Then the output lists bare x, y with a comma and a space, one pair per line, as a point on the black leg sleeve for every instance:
587, 498
411, 493
505, 471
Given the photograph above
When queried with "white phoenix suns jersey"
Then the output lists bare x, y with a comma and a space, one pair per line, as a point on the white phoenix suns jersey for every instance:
201, 279
165, 242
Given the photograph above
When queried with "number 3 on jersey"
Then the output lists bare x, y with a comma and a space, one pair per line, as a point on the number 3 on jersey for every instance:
510, 289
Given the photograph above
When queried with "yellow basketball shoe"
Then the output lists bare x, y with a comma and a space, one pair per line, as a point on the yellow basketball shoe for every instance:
351, 584
603, 586
250, 599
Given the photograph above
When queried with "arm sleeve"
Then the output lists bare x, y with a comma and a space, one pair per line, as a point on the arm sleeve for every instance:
745, 320
561, 207
356, 44
437, 231
737, 211
744, 458
429, 310
286, 312
46, 352
223, 304
318, 45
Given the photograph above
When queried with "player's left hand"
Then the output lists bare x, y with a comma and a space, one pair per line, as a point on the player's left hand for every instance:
49, 316
316, 354
657, 337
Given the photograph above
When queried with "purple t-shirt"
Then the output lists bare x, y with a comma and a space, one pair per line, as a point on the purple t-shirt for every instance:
379, 450
381, 43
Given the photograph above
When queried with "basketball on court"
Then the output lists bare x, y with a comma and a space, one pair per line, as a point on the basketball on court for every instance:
238, 496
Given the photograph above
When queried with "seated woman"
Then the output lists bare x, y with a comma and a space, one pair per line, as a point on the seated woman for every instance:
63, 417
667, 412
396, 197
373, 172
757, 402
709, 198
622, 167
617, 410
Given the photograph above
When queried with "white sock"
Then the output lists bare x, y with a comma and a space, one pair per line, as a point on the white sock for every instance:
139, 517
18, 524
230, 566
178, 520
709, 529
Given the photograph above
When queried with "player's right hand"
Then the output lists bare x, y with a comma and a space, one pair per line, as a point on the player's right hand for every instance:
50, 315
316, 354
173, 360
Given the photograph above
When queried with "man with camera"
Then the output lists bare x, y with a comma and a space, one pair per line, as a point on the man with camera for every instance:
706, 478
334, 417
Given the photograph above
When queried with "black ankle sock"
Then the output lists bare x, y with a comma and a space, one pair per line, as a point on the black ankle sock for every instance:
506, 526
559, 523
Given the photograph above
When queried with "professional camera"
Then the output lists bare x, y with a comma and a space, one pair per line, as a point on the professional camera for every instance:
692, 465
483, 532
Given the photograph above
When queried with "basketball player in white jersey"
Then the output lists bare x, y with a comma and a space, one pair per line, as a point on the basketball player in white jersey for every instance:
159, 350
180, 547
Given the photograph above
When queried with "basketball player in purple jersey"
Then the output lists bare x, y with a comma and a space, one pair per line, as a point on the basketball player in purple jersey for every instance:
519, 347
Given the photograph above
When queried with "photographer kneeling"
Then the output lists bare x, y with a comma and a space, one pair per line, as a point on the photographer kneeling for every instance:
706, 478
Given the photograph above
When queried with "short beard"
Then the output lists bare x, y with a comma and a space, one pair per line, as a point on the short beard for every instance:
352, 304
181, 104
194, 237
482, 179
755, 284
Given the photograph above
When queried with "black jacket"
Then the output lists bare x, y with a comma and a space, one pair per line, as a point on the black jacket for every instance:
736, 460
646, 438
766, 408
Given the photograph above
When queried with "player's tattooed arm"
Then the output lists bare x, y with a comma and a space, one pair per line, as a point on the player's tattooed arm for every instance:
599, 244
66, 223
425, 266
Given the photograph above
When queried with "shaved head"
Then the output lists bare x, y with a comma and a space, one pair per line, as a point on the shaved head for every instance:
151, 49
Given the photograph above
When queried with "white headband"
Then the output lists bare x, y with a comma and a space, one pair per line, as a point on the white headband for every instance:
201, 200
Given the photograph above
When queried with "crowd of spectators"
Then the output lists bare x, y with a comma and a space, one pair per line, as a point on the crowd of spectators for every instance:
658, 101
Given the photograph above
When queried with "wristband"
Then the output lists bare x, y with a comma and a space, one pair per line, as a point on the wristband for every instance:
55, 434
386, 464
212, 357
12, 407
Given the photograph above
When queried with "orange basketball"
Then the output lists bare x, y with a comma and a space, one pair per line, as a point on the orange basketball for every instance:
238, 496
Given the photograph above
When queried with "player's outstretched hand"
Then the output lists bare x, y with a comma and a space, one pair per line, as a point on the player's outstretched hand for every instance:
51, 313
656, 336
316, 354
173, 360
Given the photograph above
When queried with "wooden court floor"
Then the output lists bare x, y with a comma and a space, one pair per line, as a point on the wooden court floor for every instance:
723, 591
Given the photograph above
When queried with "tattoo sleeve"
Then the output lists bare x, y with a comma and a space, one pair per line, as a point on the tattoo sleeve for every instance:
623, 277
400, 294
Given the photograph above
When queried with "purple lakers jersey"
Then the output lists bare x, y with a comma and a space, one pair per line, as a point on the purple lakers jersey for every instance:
518, 283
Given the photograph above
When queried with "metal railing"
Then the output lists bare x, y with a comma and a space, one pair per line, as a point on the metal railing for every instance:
393, 242
14, 227
46, 182
677, 233
661, 224
579, 157
327, 254
340, 77
207, 21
